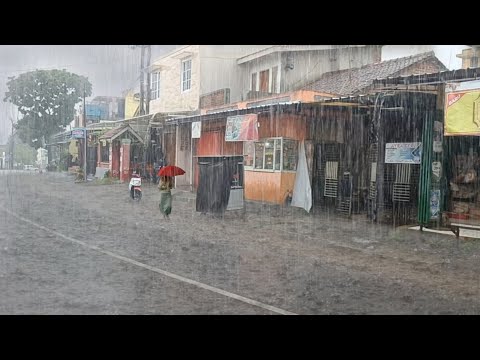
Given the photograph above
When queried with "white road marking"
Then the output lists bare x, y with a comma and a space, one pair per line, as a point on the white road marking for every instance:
157, 270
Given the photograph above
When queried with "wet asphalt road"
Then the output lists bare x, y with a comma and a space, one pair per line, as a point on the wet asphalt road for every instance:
86, 249
42, 273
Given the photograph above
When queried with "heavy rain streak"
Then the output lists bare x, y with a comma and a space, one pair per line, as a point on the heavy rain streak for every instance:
239, 179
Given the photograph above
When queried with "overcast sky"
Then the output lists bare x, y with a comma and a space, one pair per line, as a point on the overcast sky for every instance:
114, 68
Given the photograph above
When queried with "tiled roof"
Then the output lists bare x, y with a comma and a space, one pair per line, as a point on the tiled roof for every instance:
350, 81
112, 132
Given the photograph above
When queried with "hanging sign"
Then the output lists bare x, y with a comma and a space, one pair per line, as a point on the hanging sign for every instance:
437, 170
437, 146
77, 134
403, 153
434, 203
196, 129
242, 128
462, 108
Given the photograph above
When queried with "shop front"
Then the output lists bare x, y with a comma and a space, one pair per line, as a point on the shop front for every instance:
271, 161
270, 165
263, 142
341, 171
218, 167
120, 152
462, 152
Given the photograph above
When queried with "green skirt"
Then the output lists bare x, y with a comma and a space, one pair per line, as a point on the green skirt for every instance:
165, 202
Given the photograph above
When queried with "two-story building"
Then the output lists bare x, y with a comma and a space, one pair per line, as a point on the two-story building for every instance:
203, 76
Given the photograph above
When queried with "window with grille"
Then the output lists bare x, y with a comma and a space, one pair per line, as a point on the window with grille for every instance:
155, 85
186, 75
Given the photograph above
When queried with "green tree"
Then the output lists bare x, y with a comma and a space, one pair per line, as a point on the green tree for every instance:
25, 154
46, 99
22, 153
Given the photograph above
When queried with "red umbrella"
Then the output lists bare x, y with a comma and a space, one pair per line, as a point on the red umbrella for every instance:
171, 170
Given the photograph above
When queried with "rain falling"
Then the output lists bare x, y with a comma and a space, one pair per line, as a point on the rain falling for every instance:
239, 179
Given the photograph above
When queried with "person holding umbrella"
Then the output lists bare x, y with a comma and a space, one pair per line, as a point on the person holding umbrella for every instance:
165, 187
166, 175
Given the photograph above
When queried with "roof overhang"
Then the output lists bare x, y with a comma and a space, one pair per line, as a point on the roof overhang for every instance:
296, 105
121, 132
431, 78
281, 48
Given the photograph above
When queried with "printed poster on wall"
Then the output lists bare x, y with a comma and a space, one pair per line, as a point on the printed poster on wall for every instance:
434, 203
462, 108
436, 170
196, 129
242, 128
403, 153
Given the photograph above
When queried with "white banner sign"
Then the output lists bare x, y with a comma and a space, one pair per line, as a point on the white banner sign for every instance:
196, 129
403, 153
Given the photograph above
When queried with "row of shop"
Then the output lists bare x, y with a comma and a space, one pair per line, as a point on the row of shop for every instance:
406, 153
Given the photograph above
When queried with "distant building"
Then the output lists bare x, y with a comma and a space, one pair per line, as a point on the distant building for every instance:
104, 108
470, 57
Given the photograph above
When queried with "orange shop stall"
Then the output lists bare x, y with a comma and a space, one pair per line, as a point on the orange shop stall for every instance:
270, 152
271, 161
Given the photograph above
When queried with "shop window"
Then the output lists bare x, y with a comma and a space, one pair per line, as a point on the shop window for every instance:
276, 154
248, 151
259, 152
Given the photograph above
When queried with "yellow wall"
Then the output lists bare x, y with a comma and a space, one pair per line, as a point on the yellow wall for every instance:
73, 149
131, 105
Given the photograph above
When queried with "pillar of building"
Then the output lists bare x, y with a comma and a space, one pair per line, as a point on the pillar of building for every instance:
125, 160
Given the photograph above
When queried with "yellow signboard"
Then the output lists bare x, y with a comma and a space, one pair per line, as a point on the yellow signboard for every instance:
462, 112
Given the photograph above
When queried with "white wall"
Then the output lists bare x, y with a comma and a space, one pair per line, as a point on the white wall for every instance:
256, 66
307, 65
172, 98
219, 69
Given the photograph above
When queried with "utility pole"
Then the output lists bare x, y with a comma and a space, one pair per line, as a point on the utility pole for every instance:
147, 101
11, 146
142, 59
85, 133
144, 98
148, 146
